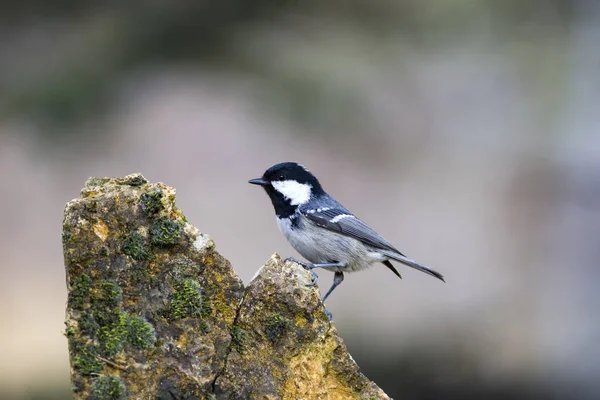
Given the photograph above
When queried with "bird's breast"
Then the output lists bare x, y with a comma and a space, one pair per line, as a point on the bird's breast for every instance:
319, 245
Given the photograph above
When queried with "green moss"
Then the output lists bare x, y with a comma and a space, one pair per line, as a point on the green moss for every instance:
96, 181
125, 330
140, 274
111, 339
238, 338
164, 232
67, 236
80, 290
88, 324
69, 332
86, 361
134, 245
107, 387
151, 201
110, 294
135, 180
275, 327
204, 326
106, 321
206, 309
110, 326
186, 300
140, 333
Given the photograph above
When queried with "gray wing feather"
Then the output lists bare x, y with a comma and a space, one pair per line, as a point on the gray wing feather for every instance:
349, 226
340, 220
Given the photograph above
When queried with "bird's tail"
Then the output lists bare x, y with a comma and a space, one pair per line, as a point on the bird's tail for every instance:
413, 264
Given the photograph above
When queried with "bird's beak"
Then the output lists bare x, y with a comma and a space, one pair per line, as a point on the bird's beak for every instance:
258, 181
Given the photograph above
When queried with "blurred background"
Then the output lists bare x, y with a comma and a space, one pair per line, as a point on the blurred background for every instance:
466, 132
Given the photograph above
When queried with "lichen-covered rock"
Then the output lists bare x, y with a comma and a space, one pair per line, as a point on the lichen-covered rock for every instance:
151, 304
286, 347
154, 312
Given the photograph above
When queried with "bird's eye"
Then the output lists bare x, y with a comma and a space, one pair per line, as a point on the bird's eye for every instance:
281, 177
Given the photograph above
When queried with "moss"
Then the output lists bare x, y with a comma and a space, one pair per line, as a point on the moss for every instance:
206, 309
134, 245
106, 321
112, 327
103, 251
86, 361
164, 232
204, 327
275, 327
69, 332
140, 274
140, 333
135, 180
107, 387
88, 324
186, 300
80, 290
125, 329
110, 294
67, 236
238, 338
111, 339
151, 201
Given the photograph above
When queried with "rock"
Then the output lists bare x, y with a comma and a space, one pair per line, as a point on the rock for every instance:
285, 346
154, 312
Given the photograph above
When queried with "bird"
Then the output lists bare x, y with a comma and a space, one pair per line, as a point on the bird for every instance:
322, 230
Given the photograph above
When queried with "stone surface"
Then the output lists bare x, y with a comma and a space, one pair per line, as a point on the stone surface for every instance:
154, 312
288, 349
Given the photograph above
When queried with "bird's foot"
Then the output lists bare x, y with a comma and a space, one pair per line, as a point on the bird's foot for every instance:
308, 267
329, 315
305, 265
314, 278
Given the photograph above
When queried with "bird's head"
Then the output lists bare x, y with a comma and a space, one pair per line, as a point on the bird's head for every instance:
289, 185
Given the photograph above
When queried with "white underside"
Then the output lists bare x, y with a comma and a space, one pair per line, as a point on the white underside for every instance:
318, 245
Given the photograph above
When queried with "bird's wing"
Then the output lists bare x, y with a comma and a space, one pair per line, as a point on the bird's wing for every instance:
341, 221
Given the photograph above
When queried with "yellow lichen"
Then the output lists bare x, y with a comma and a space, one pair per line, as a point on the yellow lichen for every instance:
101, 230
182, 340
301, 320
310, 366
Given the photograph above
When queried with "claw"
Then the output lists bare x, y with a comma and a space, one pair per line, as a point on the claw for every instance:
314, 277
305, 265
328, 313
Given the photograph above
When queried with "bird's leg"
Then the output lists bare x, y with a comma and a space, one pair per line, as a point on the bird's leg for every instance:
317, 265
337, 279
305, 265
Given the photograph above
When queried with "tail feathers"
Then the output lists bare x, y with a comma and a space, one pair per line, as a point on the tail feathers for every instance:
388, 264
413, 264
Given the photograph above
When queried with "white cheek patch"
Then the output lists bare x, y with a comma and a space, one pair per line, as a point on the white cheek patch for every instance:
297, 193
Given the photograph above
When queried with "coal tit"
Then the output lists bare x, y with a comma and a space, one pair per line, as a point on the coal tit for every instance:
322, 230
